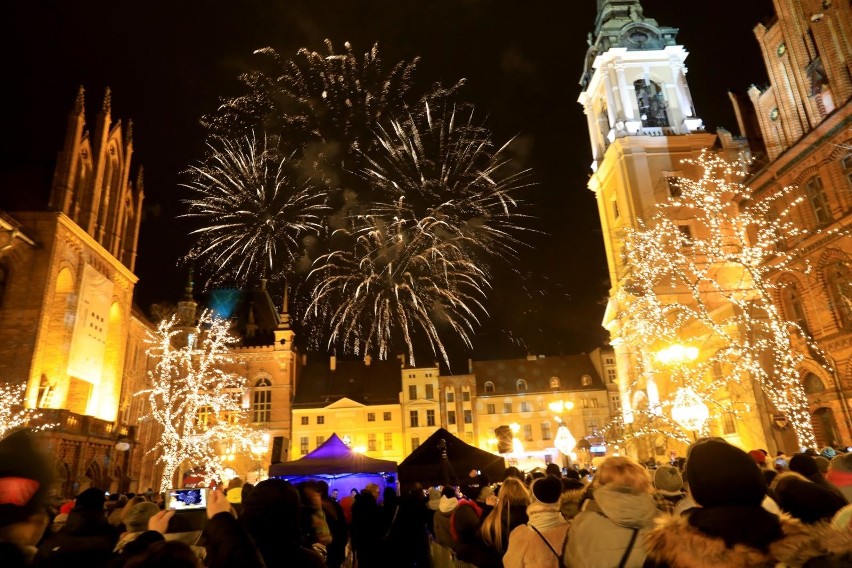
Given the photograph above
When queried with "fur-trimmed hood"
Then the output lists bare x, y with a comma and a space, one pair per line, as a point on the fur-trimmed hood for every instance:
676, 543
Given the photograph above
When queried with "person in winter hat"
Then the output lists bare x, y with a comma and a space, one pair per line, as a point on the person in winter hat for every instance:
729, 528
828, 452
808, 467
541, 542
136, 522
24, 483
839, 474
805, 500
668, 483
573, 493
446, 506
611, 529
87, 539
759, 457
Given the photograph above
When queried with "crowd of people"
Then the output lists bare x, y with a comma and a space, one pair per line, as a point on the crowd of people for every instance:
720, 507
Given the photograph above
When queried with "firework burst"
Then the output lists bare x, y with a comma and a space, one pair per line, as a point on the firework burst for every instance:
397, 281
252, 209
444, 168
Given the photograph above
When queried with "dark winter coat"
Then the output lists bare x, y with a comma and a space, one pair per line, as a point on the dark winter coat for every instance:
87, 540
368, 530
754, 541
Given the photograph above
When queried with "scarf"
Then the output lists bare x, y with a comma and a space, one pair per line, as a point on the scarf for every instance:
544, 515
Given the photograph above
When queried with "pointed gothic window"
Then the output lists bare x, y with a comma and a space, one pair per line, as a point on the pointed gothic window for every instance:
840, 292
652, 104
262, 401
794, 309
815, 192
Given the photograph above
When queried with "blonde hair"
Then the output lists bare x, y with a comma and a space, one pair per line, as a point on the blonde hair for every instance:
512, 492
624, 472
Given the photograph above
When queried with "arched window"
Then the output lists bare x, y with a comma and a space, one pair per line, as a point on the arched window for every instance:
262, 401
554, 383
840, 291
652, 103
489, 387
521, 385
813, 384
586, 380
794, 309
818, 200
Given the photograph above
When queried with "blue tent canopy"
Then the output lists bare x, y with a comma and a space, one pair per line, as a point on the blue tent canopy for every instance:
332, 459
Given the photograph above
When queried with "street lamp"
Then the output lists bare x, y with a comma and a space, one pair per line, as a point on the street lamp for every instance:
564, 441
689, 410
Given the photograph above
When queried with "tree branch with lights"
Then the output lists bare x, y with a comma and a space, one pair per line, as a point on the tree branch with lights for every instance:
13, 414
702, 270
197, 404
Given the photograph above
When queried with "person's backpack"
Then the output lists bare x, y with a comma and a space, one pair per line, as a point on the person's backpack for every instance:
560, 555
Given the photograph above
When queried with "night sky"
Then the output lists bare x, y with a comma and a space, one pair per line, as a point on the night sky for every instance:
168, 63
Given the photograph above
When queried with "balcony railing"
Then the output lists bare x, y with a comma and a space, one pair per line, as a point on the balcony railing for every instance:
68, 422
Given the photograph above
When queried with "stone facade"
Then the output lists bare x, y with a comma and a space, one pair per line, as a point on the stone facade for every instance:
805, 121
66, 300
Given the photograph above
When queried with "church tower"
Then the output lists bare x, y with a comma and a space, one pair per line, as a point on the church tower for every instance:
642, 123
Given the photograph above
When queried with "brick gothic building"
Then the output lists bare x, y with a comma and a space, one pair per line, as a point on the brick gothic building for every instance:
803, 123
65, 299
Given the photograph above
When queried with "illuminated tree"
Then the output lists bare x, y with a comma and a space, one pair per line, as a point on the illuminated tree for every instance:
12, 411
195, 401
702, 271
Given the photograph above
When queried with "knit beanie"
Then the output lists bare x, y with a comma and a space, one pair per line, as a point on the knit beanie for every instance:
24, 477
485, 493
822, 464
758, 457
804, 465
136, 519
842, 463
667, 479
828, 452
720, 474
92, 499
547, 489
805, 500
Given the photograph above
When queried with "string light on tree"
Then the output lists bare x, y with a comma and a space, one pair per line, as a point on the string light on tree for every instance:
704, 268
13, 414
193, 399
689, 410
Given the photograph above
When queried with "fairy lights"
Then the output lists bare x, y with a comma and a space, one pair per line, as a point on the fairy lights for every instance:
696, 303
12, 411
194, 400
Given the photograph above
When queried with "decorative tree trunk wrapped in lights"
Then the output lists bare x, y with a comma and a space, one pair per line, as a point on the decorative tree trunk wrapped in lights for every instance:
197, 404
702, 274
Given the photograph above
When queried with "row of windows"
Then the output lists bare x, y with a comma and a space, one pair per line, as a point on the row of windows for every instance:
525, 406
521, 384
372, 445
838, 289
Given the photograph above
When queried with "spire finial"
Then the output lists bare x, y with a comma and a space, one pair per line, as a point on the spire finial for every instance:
190, 286
107, 100
128, 137
80, 103
284, 316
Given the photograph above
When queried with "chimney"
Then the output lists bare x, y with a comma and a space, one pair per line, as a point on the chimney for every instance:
470, 366
367, 360
332, 362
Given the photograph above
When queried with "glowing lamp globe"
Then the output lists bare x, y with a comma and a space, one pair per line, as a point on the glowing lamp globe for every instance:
689, 410
564, 441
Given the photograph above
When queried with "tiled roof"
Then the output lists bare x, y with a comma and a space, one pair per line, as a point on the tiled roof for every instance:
319, 386
505, 373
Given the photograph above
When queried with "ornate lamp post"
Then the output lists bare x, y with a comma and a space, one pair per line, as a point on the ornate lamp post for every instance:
689, 410
564, 441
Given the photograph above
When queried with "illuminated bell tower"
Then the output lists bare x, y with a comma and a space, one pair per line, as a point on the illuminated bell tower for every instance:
642, 123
